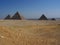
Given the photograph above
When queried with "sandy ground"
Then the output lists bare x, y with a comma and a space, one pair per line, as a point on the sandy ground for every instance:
25, 32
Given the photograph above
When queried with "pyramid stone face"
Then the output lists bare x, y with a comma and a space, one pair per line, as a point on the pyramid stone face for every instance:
8, 17
43, 17
17, 16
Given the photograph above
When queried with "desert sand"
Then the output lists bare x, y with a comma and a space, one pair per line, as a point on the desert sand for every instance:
29, 32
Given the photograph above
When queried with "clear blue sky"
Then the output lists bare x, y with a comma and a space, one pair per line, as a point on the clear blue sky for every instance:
30, 8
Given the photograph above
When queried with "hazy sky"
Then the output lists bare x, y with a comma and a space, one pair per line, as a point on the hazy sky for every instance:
30, 8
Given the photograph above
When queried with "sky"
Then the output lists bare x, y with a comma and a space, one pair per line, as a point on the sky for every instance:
30, 8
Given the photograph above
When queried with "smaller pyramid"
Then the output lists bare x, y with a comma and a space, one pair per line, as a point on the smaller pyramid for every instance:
8, 17
43, 17
53, 19
16, 16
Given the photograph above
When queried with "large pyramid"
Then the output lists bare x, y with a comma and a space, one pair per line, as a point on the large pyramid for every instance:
43, 17
8, 17
17, 16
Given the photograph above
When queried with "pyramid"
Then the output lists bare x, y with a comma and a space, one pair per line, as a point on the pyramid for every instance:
53, 19
17, 16
8, 17
43, 17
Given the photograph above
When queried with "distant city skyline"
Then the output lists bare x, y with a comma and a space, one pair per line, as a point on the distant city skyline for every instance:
30, 8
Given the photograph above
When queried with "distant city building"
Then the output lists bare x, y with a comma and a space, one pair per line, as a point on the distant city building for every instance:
43, 17
8, 17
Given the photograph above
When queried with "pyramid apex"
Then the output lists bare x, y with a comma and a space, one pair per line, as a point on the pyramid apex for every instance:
17, 12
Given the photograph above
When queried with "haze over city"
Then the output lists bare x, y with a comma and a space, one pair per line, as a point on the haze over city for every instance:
30, 8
